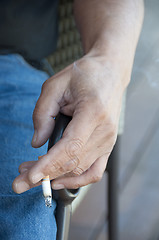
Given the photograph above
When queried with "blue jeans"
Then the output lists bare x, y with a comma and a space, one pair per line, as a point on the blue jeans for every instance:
23, 216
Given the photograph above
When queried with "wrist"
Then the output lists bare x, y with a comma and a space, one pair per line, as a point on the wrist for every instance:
115, 59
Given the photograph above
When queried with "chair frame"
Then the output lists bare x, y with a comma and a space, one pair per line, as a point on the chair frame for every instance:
65, 197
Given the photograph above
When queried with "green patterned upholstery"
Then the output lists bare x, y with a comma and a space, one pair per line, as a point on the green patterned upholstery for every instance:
69, 45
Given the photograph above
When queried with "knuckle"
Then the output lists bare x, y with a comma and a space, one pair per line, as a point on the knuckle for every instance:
73, 148
53, 167
76, 185
45, 85
20, 167
97, 176
109, 128
70, 165
99, 110
77, 171
112, 131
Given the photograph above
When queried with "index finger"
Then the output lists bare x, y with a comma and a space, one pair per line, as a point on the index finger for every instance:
65, 155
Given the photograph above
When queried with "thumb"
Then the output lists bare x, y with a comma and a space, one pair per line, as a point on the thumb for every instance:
47, 107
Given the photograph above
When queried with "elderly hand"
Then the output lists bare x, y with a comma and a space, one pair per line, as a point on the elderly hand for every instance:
90, 90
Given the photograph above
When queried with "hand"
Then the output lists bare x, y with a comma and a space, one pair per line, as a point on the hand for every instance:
90, 90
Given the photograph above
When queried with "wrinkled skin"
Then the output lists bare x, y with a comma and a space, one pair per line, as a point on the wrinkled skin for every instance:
88, 91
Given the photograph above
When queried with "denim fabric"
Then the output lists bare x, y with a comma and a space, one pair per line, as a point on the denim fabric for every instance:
22, 216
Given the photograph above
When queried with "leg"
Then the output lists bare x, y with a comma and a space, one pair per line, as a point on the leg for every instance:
22, 216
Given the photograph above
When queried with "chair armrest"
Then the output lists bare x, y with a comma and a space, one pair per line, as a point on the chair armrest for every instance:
63, 197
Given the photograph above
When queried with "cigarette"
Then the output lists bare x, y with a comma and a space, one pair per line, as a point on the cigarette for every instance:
47, 192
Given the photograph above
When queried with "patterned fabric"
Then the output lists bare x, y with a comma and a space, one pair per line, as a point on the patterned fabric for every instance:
69, 46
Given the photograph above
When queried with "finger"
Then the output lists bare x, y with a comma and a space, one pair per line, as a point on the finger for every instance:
100, 143
92, 175
47, 107
68, 155
25, 166
69, 151
21, 183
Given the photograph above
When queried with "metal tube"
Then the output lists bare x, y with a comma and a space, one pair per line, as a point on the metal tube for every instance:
113, 228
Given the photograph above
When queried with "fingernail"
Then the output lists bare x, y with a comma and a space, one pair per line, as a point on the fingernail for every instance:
21, 187
57, 186
34, 137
